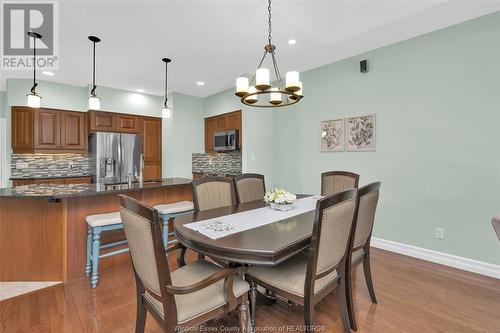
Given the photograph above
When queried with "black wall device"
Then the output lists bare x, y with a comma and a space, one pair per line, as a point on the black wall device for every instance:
363, 66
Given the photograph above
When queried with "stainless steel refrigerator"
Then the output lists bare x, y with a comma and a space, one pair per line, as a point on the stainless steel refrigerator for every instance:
114, 156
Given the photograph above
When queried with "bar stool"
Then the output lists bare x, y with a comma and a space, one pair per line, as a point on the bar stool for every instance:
97, 224
171, 211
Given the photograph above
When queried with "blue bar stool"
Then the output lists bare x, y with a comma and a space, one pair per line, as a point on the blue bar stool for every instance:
96, 225
170, 211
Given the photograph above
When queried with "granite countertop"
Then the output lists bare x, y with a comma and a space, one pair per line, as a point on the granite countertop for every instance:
49, 177
61, 191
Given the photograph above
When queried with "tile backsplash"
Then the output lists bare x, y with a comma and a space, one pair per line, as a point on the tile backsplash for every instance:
49, 165
217, 163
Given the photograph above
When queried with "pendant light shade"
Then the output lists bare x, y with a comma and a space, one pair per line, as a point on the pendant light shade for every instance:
34, 100
283, 94
166, 112
94, 100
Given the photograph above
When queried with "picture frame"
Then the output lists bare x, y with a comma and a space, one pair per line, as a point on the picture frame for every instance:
361, 133
332, 135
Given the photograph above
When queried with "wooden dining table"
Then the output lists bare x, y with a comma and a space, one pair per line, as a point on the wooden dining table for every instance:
267, 245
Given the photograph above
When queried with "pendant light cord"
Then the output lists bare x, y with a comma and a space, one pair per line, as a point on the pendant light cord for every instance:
269, 20
92, 92
33, 91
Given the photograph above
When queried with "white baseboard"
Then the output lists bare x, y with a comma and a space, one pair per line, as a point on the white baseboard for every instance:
465, 264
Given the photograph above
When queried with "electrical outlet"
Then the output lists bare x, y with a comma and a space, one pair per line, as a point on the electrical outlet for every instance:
439, 233
252, 158
71, 165
21, 165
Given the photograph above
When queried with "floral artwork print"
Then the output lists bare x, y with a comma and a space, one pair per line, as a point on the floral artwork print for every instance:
332, 135
361, 133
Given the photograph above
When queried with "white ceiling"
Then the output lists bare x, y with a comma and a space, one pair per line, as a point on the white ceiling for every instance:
216, 41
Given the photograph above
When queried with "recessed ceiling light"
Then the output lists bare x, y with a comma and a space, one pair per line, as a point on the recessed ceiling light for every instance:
140, 90
49, 73
292, 41
200, 83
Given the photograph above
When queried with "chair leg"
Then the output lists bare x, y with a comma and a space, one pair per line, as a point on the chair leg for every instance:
368, 277
140, 321
88, 264
166, 220
308, 314
350, 302
243, 309
253, 300
201, 256
342, 304
96, 247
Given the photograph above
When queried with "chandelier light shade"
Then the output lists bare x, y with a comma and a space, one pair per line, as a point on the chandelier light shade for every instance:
34, 100
260, 85
94, 100
166, 112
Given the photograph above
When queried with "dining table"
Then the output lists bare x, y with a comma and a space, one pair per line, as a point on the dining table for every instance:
268, 245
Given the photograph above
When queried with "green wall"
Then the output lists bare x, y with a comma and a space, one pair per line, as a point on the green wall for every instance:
437, 102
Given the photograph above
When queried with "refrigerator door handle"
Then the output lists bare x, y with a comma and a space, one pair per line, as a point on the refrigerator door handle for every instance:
119, 159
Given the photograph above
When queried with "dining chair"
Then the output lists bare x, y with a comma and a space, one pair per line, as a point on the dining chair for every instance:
495, 221
249, 187
310, 276
367, 201
191, 295
213, 192
337, 181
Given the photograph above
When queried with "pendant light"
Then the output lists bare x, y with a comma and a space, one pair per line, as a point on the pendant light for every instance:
94, 100
260, 85
33, 98
166, 112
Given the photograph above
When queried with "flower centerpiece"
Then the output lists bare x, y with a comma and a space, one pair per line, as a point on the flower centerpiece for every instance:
280, 199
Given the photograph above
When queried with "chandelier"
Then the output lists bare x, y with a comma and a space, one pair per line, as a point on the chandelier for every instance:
259, 91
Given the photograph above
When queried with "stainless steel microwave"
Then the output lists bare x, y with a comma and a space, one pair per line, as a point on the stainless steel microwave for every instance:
226, 141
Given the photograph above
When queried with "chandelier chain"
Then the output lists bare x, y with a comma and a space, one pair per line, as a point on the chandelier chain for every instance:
269, 20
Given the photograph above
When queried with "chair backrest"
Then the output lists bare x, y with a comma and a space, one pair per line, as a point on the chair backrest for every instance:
368, 199
337, 181
213, 192
332, 235
250, 187
142, 229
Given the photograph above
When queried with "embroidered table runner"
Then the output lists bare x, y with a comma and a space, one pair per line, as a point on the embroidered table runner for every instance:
231, 224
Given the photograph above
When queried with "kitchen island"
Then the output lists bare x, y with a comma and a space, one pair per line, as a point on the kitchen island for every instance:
43, 230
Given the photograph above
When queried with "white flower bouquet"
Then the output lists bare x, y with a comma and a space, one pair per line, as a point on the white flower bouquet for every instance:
280, 199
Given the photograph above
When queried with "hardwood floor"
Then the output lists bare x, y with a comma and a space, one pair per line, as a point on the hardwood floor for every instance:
413, 295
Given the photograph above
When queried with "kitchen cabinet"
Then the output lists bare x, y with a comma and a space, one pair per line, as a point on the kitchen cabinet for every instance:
150, 129
73, 180
22, 129
224, 122
102, 121
73, 131
48, 131
127, 123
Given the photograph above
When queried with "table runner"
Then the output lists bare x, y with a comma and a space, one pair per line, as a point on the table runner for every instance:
233, 223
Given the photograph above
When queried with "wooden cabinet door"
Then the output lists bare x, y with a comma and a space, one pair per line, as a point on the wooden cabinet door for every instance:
233, 120
73, 131
102, 121
151, 135
210, 129
221, 123
127, 123
22, 129
47, 127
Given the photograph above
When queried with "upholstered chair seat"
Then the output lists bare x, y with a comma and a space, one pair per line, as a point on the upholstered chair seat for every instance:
290, 275
199, 302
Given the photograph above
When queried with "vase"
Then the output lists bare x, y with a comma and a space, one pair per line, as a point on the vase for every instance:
282, 207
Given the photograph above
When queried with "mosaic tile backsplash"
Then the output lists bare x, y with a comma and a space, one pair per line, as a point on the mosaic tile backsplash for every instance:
49, 165
217, 163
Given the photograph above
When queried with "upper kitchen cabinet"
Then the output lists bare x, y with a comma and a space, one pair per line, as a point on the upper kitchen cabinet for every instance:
73, 131
47, 131
150, 129
100, 121
22, 129
224, 122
